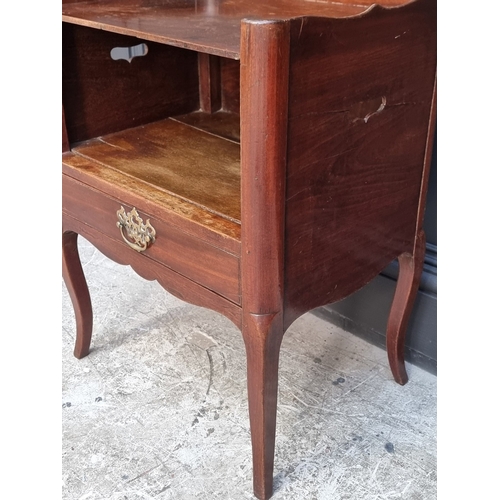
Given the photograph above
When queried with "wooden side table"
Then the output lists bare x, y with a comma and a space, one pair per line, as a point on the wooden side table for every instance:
257, 158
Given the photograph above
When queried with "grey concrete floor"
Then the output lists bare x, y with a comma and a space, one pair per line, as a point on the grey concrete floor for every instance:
158, 409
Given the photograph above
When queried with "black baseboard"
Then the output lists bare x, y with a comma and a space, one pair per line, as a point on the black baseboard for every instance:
365, 314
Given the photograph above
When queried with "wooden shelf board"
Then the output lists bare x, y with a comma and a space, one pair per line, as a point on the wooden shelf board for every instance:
198, 167
210, 26
221, 123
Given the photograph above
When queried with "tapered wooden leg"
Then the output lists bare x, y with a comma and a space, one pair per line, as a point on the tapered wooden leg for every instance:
79, 293
263, 337
410, 270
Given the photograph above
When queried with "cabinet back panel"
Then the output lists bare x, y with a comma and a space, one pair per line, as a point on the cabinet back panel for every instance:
102, 96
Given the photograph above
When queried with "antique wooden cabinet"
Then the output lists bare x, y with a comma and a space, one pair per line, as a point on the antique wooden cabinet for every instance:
257, 158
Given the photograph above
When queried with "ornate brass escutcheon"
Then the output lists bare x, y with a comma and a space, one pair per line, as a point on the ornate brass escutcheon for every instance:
140, 235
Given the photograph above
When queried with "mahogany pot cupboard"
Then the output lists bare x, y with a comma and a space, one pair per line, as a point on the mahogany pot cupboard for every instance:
258, 158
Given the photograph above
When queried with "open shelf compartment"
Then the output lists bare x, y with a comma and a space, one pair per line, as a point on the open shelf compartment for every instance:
167, 122
193, 164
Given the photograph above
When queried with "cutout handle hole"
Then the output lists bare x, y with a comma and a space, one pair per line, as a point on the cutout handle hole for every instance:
128, 53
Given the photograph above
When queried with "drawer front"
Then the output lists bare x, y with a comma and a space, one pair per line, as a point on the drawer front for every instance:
197, 260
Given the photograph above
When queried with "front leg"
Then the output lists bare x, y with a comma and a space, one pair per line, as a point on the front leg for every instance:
78, 291
262, 334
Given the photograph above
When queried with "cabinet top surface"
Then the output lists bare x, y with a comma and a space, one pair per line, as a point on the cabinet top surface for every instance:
211, 26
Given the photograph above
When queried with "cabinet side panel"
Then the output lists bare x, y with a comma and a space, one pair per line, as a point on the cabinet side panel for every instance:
230, 80
359, 110
65, 141
102, 95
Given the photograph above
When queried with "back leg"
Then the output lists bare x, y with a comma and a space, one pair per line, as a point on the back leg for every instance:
79, 293
410, 270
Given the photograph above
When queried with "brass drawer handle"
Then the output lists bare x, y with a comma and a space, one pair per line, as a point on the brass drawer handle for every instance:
140, 235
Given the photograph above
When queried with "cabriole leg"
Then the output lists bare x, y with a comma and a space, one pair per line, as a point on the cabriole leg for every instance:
79, 293
410, 270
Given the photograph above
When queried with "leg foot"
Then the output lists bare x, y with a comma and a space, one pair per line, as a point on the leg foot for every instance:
79, 293
410, 270
263, 337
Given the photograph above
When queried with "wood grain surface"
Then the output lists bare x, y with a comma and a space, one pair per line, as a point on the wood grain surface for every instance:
230, 81
210, 85
222, 123
194, 165
207, 26
101, 95
176, 284
280, 148
186, 254
78, 290
360, 104
209, 227
264, 104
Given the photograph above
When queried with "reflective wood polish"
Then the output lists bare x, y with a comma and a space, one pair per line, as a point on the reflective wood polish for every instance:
280, 150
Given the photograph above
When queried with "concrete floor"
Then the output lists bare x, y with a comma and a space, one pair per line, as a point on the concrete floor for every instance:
158, 409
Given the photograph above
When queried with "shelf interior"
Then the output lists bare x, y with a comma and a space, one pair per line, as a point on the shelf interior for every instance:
195, 163
220, 123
